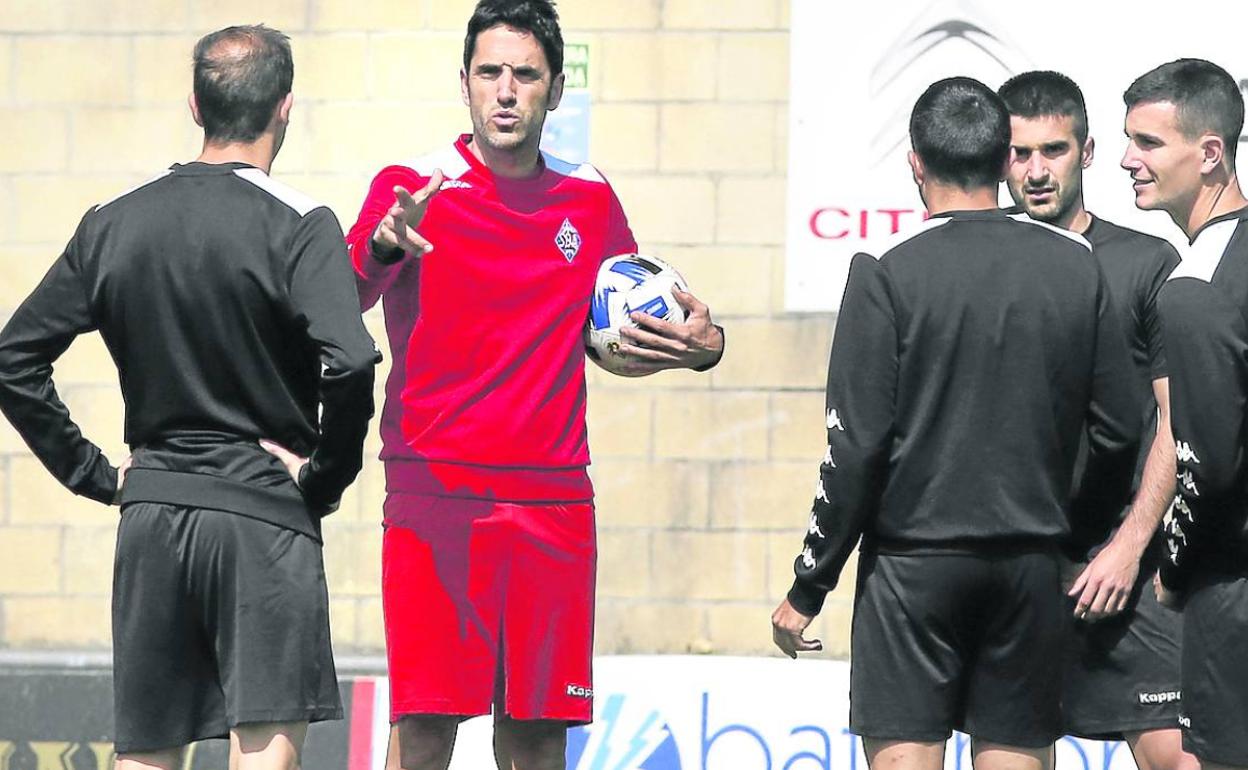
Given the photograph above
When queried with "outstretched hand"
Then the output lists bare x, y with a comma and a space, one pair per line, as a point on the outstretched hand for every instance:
654, 344
397, 229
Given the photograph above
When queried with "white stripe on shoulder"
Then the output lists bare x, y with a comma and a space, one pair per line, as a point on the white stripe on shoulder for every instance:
894, 240
583, 171
1076, 237
139, 186
448, 159
283, 192
1201, 259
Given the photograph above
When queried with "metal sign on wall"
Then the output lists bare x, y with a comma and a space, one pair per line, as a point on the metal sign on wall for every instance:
857, 69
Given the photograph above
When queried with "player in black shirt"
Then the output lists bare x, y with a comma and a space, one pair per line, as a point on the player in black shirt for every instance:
967, 359
228, 304
1122, 670
1183, 123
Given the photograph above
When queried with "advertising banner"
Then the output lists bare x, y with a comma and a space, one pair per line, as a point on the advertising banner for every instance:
857, 69
650, 713
724, 713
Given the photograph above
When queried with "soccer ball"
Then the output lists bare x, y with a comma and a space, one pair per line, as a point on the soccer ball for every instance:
628, 283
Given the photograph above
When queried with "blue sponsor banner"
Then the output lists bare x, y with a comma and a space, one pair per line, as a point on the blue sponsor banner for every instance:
723, 713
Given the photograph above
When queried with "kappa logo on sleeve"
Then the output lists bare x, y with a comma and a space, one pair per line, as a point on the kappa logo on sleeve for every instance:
579, 691
454, 184
834, 421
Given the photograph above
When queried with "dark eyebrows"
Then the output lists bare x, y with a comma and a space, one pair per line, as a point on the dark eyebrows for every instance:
1140, 136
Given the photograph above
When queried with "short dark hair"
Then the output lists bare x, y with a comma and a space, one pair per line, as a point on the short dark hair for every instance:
1043, 93
1205, 96
537, 17
241, 75
961, 131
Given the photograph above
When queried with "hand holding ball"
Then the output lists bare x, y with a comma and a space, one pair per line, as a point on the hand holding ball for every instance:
628, 283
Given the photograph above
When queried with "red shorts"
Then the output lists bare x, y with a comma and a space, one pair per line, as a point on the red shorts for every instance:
480, 595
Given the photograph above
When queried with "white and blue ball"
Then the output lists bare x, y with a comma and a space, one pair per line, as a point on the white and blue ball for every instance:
628, 283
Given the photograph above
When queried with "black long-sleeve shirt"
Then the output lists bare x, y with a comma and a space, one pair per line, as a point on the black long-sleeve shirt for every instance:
1135, 266
966, 361
1206, 335
227, 301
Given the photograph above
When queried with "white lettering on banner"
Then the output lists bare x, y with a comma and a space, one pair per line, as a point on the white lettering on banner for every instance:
722, 713
856, 70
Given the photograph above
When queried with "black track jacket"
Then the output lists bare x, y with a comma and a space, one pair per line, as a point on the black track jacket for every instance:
228, 304
966, 361
1204, 305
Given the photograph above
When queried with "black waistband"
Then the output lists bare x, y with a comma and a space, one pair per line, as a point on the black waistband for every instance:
273, 505
987, 547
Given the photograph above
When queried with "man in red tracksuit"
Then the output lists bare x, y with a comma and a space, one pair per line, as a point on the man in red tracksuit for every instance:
485, 273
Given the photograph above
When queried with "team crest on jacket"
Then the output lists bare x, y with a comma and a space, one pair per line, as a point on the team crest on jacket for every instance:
568, 240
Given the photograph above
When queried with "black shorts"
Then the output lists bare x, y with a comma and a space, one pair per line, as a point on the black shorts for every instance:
1122, 673
957, 641
218, 620
1215, 672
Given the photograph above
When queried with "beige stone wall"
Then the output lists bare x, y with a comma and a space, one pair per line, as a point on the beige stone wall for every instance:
704, 480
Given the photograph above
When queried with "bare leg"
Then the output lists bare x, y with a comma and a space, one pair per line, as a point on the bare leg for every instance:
267, 746
997, 756
422, 742
529, 744
165, 759
1160, 750
903, 755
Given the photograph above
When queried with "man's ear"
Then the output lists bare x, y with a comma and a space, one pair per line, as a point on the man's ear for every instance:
1212, 153
556, 92
194, 105
1089, 150
916, 167
283, 109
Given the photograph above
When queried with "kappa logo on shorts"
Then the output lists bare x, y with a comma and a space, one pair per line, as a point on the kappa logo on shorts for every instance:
577, 691
1166, 696
568, 240
1185, 722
